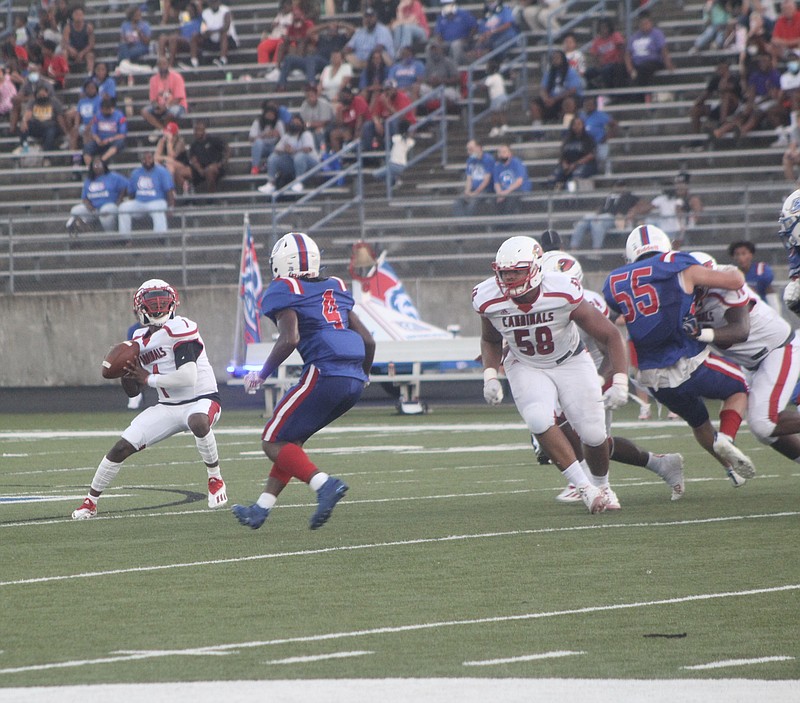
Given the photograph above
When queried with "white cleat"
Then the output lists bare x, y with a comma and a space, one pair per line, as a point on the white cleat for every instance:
217, 493
735, 457
87, 510
736, 480
670, 468
612, 502
569, 495
593, 499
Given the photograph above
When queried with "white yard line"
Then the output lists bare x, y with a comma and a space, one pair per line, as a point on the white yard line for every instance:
318, 657
396, 629
737, 662
397, 543
522, 658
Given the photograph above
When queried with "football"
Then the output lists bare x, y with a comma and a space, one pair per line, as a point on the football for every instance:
118, 356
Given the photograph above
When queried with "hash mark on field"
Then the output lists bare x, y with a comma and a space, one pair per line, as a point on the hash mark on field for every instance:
397, 543
396, 629
318, 657
523, 658
737, 662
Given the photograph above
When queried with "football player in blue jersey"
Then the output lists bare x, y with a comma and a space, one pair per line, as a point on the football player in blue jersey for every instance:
314, 314
654, 292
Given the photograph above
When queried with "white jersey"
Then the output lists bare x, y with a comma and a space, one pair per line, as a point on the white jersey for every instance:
157, 355
768, 330
542, 334
597, 301
214, 21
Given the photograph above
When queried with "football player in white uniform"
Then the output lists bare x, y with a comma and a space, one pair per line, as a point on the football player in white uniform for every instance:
172, 359
538, 316
745, 329
668, 466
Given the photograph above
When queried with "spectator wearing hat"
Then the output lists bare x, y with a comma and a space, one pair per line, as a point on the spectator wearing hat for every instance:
456, 29
167, 99
371, 35
172, 153
385, 103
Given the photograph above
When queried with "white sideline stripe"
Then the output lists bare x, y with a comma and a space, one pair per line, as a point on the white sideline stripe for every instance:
36, 498
387, 630
318, 657
738, 662
397, 543
523, 658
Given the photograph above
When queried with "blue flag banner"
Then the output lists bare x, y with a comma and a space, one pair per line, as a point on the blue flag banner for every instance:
250, 288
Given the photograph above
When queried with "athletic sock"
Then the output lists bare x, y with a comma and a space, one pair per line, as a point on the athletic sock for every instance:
318, 480
575, 475
729, 421
266, 501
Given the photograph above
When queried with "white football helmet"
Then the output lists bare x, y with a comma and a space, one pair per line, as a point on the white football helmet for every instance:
564, 263
646, 239
519, 254
704, 259
790, 216
155, 302
295, 255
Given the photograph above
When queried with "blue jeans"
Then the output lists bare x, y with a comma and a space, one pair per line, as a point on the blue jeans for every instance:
295, 165
310, 65
598, 224
260, 149
406, 35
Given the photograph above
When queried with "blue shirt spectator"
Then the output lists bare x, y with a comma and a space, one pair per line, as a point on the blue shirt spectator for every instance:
104, 189
408, 70
454, 23
478, 165
134, 36
507, 173
152, 183
497, 26
366, 38
89, 104
106, 85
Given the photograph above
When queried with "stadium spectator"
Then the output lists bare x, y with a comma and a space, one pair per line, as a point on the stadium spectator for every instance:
560, 91
295, 42
408, 71
103, 191
720, 99
109, 128
106, 85
350, 113
317, 113
602, 127
667, 211
54, 66
152, 192
542, 15
293, 155
78, 42
791, 157
173, 43
607, 54
176, 10
265, 132
24, 95
371, 80
575, 57
647, 52
757, 274
219, 36
455, 28
718, 22
208, 157
751, 42
786, 32
371, 35
440, 70
385, 103
498, 99
616, 212
8, 92
338, 361
496, 28
786, 103
172, 154
335, 76
510, 180
43, 120
410, 26
478, 181
396, 164
167, 99
577, 158
267, 51
134, 36
321, 41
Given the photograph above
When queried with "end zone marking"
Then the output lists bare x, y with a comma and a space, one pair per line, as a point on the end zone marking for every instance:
523, 658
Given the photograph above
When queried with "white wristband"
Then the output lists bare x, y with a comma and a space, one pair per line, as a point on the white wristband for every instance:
706, 335
489, 374
619, 379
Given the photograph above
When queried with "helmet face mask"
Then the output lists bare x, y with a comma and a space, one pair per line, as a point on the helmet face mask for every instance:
295, 255
522, 255
646, 239
155, 303
790, 216
563, 262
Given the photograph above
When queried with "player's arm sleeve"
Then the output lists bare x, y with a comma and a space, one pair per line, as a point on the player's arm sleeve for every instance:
186, 355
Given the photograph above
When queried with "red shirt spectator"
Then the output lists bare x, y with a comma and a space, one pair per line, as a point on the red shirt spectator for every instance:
786, 33
355, 111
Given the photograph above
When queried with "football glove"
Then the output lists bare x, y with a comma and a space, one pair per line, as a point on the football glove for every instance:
252, 382
691, 326
791, 295
617, 394
492, 390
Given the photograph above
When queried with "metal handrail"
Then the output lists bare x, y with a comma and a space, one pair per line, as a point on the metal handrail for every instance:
521, 91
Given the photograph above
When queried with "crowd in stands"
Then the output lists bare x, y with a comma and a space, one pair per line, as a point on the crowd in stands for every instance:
358, 74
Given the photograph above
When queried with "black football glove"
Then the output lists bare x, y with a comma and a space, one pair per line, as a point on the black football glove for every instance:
690, 325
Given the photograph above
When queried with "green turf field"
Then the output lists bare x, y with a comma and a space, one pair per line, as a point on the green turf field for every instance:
449, 557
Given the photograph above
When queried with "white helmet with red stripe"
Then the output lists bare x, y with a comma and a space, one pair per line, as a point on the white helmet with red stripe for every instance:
519, 254
564, 263
646, 239
155, 302
295, 255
